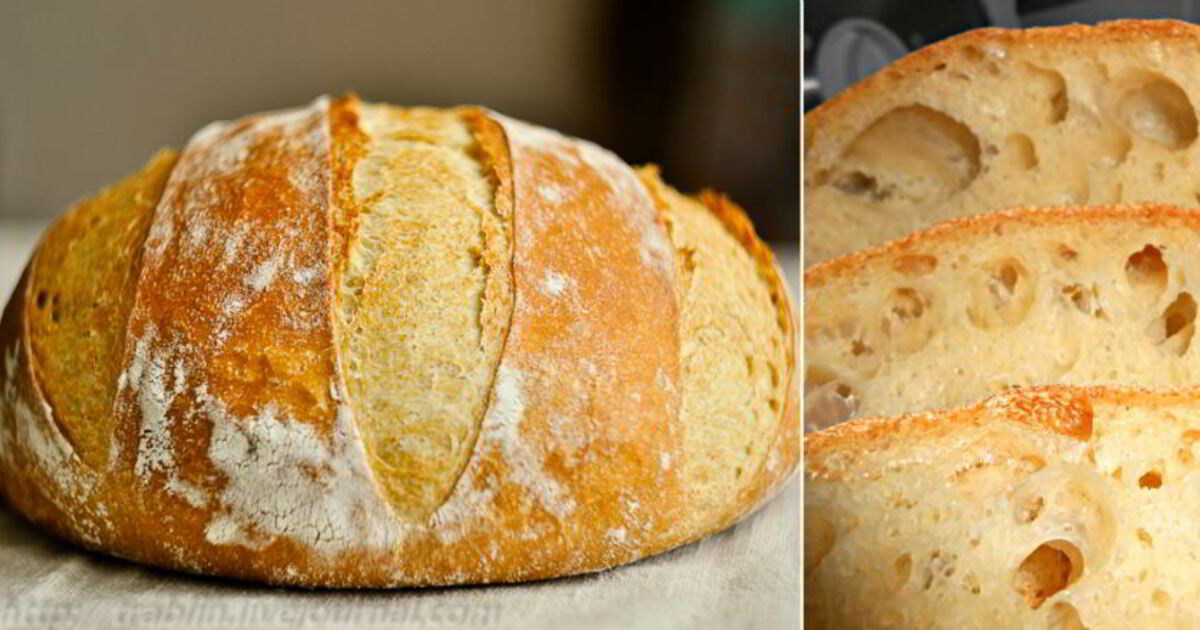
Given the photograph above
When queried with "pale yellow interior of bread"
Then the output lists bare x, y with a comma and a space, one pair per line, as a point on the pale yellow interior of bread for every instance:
80, 298
991, 125
732, 354
418, 356
976, 311
998, 525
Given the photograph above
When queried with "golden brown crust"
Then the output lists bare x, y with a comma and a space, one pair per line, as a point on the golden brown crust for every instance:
926, 58
1143, 214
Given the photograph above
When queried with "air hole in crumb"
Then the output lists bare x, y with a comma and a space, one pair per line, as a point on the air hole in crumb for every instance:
987, 59
1144, 537
1004, 297
1032, 509
1064, 616
914, 264
1160, 111
1146, 270
1184, 453
1116, 474
1048, 569
909, 303
1173, 331
912, 154
941, 565
1083, 298
1049, 93
904, 320
903, 569
971, 583
827, 403
1160, 598
1151, 480
1021, 150
859, 183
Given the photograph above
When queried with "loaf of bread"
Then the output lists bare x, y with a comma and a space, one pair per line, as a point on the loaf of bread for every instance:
358, 345
999, 118
1084, 295
1055, 507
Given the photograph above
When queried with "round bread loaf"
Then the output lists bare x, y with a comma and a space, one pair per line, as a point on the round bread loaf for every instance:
358, 345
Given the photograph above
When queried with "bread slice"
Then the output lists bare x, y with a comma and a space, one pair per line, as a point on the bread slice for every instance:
1070, 295
1053, 507
999, 118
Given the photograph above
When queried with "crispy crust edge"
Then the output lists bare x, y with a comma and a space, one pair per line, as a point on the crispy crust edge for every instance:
1139, 214
1063, 410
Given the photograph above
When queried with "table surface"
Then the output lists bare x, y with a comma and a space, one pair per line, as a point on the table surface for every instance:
745, 577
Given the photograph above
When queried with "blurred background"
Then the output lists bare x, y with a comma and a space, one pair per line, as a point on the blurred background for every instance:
847, 40
708, 89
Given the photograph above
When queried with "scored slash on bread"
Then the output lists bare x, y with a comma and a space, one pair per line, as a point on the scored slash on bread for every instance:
997, 118
1051, 507
1072, 295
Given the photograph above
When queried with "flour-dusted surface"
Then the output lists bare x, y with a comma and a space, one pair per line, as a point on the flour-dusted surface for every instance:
746, 577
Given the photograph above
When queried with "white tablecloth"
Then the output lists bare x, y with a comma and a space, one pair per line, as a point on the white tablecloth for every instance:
745, 577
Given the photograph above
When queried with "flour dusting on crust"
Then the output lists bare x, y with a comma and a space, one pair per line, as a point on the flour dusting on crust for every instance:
283, 479
501, 432
502, 429
555, 283
626, 193
39, 437
156, 385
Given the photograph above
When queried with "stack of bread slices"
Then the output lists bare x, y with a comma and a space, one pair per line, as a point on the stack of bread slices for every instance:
1001, 369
